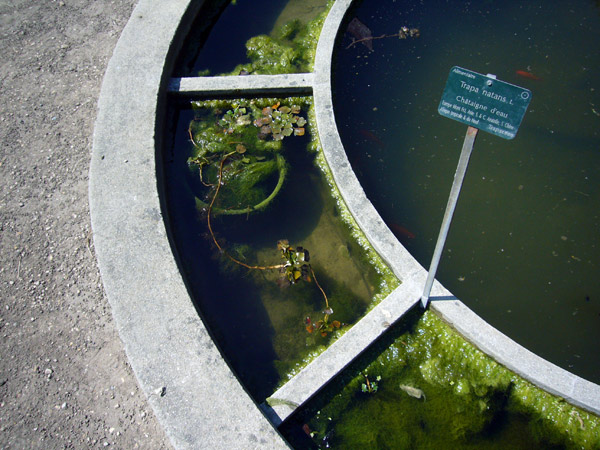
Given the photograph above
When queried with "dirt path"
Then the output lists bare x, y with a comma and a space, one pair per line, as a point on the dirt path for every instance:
64, 377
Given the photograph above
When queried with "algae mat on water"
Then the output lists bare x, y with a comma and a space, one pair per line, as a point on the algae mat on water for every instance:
429, 389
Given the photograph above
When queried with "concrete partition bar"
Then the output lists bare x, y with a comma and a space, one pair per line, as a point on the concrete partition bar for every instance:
194, 394
340, 354
286, 84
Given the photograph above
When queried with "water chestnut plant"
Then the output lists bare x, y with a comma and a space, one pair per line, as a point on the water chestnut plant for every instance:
237, 152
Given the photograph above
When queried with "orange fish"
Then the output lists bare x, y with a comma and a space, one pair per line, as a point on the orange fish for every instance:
370, 136
400, 231
525, 74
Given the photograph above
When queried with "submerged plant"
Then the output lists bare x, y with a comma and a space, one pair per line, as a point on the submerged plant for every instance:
297, 268
323, 326
370, 387
236, 156
296, 265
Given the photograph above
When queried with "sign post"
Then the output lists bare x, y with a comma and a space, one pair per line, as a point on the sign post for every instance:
481, 102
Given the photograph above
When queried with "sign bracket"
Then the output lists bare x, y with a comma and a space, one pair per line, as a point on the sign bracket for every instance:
459, 176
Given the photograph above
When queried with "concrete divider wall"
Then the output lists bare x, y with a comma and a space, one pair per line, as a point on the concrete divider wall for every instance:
197, 399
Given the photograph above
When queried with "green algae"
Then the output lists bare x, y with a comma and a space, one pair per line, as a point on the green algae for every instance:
290, 48
470, 401
239, 144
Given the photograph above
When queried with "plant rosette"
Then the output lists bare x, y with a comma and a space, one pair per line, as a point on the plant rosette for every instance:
241, 151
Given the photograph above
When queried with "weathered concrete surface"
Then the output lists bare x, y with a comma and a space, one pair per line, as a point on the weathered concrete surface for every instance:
194, 394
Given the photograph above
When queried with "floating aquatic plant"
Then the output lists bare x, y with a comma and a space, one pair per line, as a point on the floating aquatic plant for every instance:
296, 266
280, 121
242, 148
403, 33
323, 326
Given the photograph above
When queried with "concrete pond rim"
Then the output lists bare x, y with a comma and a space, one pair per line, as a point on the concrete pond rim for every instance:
191, 388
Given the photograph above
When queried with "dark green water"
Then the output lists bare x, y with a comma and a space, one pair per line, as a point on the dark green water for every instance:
524, 246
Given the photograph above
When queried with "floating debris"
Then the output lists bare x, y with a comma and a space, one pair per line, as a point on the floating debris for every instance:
361, 33
413, 391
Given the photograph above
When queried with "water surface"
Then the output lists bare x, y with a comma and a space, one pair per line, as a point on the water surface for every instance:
524, 246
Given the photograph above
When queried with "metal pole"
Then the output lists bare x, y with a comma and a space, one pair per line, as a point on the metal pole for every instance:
459, 176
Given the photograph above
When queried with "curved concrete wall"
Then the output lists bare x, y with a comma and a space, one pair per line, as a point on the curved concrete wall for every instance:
194, 394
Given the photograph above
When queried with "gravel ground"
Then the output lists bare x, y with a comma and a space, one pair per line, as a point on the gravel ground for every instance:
64, 377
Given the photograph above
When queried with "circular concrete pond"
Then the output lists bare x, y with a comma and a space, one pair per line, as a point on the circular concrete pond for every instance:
191, 388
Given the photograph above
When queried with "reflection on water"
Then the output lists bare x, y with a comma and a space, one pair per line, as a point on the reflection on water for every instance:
524, 247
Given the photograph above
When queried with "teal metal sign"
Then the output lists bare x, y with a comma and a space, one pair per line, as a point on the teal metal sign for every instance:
484, 102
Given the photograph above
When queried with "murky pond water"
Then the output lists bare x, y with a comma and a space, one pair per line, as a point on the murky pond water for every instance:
231, 256
524, 246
